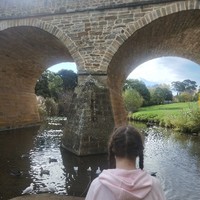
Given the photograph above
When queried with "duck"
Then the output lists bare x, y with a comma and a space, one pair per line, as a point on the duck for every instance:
98, 171
153, 173
75, 168
16, 172
28, 190
25, 155
89, 169
44, 171
52, 160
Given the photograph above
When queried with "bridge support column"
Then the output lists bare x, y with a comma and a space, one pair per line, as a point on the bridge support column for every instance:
91, 119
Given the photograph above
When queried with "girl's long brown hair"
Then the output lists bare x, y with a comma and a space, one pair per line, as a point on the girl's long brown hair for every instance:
125, 142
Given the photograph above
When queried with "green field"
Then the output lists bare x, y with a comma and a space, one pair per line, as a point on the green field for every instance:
159, 113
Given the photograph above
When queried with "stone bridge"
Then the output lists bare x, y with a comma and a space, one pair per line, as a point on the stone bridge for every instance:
107, 39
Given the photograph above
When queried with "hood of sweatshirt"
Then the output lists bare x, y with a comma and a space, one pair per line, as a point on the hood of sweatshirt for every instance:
127, 184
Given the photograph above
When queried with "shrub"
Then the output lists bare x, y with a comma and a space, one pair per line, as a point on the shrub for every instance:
188, 120
41, 107
185, 97
132, 99
51, 107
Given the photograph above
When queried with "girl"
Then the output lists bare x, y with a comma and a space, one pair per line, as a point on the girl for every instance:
124, 181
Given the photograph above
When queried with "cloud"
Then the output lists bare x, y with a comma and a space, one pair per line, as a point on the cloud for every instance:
167, 70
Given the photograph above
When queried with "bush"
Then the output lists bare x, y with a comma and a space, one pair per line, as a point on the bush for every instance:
51, 107
187, 121
132, 99
41, 107
185, 97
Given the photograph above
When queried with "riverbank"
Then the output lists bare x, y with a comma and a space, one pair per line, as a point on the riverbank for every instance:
183, 117
47, 196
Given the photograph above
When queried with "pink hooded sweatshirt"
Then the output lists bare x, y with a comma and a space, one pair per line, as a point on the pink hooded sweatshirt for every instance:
120, 184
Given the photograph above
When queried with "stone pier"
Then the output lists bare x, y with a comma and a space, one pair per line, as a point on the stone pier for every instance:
90, 121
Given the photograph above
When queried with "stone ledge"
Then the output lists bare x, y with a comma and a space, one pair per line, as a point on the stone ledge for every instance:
47, 196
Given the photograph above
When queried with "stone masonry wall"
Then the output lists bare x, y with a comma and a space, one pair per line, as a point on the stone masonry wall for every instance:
22, 8
94, 37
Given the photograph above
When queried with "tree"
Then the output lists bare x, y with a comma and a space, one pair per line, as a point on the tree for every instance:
178, 86
57, 89
190, 86
184, 86
55, 85
140, 87
185, 97
160, 93
42, 87
132, 100
70, 79
158, 96
168, 96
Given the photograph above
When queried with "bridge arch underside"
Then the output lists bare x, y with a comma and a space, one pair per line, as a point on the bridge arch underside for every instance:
25, 52
177, 34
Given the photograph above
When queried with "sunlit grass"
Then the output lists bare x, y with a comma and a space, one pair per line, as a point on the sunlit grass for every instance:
158, 113
182, 117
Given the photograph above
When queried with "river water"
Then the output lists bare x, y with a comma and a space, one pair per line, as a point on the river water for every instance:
175, 157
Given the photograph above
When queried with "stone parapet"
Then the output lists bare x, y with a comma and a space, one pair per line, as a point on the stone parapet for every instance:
27, 8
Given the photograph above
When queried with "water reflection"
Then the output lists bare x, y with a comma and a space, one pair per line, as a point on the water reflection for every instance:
14, 144
175, 158
47, 169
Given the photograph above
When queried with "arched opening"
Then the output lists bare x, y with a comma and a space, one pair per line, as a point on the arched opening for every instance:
166, 36
162, 80
25, 52
164, 70
55, 88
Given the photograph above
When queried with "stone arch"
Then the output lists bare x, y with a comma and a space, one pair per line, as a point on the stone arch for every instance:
54, 30
143, 21
22, 63
141, 46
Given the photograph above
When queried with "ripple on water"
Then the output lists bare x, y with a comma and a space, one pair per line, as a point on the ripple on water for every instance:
175, 158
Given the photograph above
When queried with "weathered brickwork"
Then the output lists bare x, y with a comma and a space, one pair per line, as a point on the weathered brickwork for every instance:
93, 38
104, 37
25, 8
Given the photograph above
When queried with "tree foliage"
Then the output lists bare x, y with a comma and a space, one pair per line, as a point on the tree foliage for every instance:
55, 83
69, 78
158, 96
184, 86
52, 84
42, 85
185, 97
132, 100
190, 86
140, 87
161, 94
57, 89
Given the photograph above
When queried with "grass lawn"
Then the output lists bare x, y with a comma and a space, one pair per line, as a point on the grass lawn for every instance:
160, 112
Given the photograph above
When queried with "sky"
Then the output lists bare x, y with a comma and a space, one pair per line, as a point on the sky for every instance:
158, 71
167, 70
64, 65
